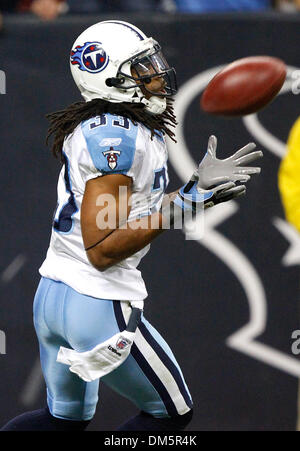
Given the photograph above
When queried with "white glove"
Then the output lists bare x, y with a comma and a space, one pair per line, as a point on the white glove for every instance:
212, 171
213, 182
100, 360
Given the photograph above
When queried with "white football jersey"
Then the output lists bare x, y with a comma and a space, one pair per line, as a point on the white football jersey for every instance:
105, 144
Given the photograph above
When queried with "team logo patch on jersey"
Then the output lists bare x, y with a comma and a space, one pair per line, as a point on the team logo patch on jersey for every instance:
122, 343
89, 57
112, 157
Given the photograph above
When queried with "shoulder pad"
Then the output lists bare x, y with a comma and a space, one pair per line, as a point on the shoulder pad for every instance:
111, 142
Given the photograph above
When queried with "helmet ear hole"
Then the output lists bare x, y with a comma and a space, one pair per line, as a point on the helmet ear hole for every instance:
108, 82
114, 82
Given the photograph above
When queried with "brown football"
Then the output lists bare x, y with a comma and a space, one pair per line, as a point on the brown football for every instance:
245, 86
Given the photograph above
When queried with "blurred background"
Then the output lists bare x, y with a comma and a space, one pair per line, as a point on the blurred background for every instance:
227, 304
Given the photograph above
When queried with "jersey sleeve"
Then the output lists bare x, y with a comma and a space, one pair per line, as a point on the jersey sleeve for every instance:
111, 147
288, 177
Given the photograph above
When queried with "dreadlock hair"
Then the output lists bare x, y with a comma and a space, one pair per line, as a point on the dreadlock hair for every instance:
64, 122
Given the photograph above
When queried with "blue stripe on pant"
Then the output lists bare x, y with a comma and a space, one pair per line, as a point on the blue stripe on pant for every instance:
64, 317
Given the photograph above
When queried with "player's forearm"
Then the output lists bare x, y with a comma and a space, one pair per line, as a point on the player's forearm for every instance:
125, 241
130, 237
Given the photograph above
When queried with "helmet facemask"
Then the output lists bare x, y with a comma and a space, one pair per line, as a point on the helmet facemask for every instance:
147, 65
137, 72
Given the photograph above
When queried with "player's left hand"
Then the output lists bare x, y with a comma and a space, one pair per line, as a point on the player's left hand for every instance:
213, 171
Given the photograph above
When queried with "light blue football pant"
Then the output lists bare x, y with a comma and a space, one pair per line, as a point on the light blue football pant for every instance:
150, 377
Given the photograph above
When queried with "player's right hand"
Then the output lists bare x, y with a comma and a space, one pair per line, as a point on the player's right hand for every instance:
191, 196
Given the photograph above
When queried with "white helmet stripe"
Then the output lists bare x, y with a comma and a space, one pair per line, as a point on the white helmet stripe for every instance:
125, 24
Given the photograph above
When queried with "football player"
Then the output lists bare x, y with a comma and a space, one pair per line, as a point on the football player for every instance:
114, 156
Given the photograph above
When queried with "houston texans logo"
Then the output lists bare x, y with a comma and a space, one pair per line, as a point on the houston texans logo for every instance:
112, 157
89, 57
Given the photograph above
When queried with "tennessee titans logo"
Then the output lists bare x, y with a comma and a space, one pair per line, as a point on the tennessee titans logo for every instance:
89, 57
112, 157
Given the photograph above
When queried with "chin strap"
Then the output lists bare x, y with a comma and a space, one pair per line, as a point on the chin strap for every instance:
155, 105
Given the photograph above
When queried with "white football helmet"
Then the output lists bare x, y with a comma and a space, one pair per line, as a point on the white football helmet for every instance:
103, 56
